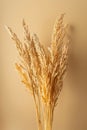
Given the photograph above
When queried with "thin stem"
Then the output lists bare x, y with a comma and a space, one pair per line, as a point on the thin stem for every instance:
38, 113
48, 117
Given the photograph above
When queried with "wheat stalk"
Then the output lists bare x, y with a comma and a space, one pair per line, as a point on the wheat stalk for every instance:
41, 72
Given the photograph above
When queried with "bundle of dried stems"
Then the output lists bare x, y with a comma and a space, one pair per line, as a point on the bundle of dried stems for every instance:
42, 71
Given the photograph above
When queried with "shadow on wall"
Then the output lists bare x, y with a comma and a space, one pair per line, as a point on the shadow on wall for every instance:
78, 83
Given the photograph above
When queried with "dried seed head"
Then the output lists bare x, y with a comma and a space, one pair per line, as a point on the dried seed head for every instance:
43, 72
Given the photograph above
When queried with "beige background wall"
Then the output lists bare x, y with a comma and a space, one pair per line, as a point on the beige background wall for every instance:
17, 110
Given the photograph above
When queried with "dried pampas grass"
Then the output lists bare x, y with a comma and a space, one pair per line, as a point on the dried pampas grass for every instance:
42, 72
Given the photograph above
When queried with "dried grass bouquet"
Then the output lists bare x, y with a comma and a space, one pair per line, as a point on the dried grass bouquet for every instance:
42, 70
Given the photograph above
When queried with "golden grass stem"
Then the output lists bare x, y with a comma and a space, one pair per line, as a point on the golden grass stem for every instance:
42, 71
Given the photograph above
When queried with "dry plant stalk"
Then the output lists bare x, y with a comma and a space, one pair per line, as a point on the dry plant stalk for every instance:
42, 71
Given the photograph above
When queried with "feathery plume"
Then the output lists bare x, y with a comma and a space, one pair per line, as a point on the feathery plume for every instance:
41, 72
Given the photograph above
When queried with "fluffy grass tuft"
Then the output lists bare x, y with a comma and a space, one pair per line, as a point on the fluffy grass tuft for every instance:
42, 71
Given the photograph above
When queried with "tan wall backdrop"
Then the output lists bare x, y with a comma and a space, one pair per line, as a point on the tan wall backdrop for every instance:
17, 111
